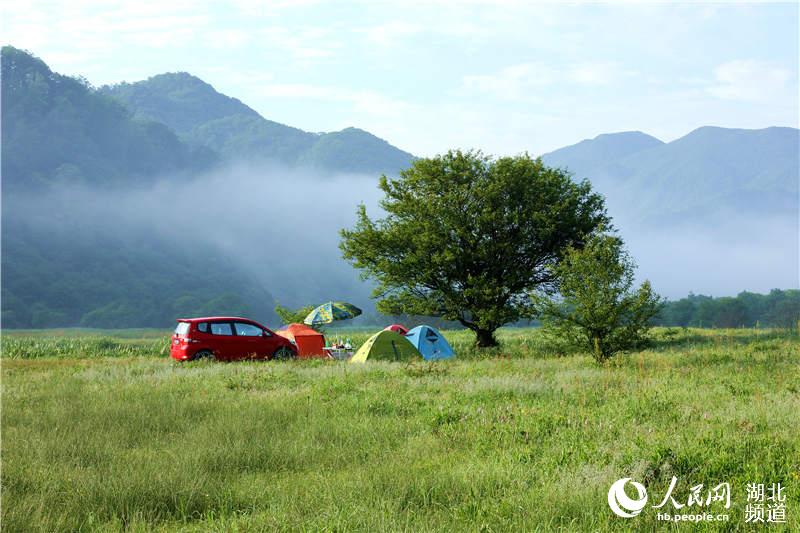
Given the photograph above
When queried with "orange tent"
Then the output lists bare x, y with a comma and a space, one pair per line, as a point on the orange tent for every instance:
310, 343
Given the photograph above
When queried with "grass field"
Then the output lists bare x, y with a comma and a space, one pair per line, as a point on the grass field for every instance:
101, 431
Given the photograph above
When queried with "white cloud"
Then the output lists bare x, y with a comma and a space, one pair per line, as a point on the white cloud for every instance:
749, 80
365, 102
601, 73
229, 38
391, 33
522, 80
303, 43
513, 82
260, 8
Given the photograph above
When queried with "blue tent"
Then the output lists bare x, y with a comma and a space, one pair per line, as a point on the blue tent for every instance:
430, 343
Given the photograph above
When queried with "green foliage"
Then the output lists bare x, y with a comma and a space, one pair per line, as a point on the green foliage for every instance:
466, 237
289, 316
58, 129
181, 101
599, 311
459, 445
354, 150
779, 308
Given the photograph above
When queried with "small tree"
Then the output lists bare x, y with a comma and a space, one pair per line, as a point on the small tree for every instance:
598, 310
288, 316
467, 237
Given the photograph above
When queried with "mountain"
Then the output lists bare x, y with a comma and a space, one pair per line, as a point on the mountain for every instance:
601, 152
57, 129
133, 204
181, 101
204, 117
76, 251
709, 172
713, 212
72, 253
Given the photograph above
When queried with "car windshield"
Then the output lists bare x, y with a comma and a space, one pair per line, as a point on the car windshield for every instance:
182, 329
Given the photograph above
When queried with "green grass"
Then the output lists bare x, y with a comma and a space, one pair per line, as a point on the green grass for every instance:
105, 432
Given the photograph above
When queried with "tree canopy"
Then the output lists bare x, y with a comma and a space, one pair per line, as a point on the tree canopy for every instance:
467, 237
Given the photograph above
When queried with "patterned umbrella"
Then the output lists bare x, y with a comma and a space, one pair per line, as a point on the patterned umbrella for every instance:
327, 313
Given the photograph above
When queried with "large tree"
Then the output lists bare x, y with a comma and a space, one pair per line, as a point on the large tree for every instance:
467, 237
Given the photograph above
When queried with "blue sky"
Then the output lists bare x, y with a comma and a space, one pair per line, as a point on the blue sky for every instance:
505, 77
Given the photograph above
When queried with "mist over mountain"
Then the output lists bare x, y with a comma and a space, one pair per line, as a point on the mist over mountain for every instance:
715, 211
132, 204
63, 147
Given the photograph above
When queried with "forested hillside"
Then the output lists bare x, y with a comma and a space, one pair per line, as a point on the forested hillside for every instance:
204, 117
56, 129
64, 266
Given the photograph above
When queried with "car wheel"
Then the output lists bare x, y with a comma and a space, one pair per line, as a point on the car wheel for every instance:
204, 355
283, 353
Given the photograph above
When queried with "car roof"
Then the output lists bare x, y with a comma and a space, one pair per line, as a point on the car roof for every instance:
210, 318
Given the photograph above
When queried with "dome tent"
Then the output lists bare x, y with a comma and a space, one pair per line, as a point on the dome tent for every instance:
430, 343
387, 346
397, 328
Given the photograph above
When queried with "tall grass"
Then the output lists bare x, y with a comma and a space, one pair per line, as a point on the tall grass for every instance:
518, 439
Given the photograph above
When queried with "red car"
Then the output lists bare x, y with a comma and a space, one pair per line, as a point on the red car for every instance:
227, 338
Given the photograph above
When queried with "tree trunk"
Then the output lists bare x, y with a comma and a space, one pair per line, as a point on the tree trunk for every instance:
484, 338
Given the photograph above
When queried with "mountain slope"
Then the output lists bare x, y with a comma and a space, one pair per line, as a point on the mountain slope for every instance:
736, 169
602, 151
205, 117
709, 172
177, 99
73, 253
57, 129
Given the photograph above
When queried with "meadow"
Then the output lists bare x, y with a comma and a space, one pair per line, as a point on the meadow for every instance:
102, 431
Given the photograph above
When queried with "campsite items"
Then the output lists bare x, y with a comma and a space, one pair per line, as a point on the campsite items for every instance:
339, 350
327, 313
430, 343
387, 346
397, 328
309, 342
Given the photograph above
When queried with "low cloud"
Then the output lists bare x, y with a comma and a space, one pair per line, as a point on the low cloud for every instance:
281, 225
750, 81
521, 81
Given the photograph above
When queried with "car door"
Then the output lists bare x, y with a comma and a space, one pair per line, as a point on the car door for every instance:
223, 340
250, 340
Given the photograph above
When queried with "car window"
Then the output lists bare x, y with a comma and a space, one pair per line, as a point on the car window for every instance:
221, 328
202, 327
247, 330
182, 328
